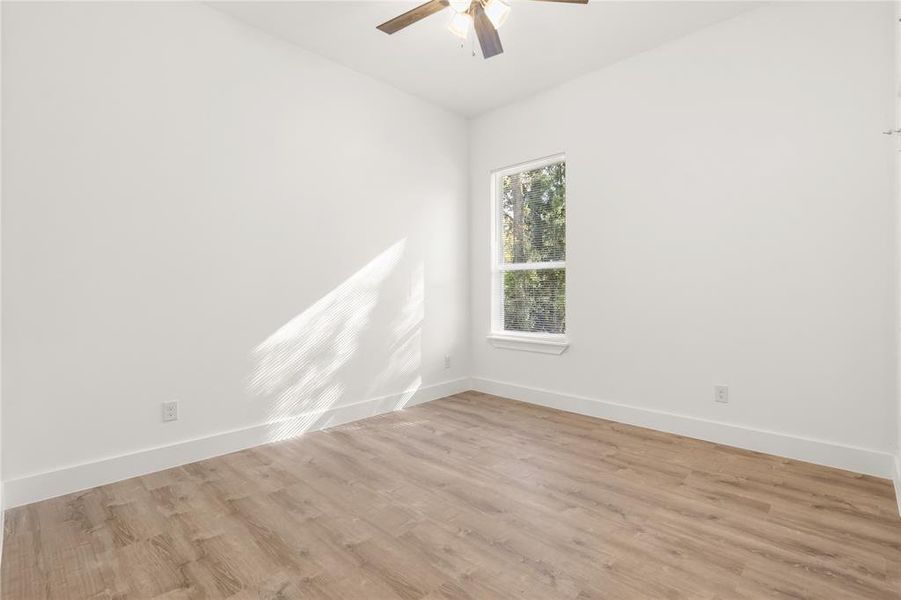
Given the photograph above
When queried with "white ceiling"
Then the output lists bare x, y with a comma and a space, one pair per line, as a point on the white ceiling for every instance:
545, 43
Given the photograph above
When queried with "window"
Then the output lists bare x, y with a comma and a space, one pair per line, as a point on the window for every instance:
528, 250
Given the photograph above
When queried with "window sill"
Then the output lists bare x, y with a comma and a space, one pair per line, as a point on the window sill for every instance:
529, 343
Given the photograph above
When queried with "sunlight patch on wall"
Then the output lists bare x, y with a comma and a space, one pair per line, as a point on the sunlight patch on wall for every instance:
404, 359
367, 329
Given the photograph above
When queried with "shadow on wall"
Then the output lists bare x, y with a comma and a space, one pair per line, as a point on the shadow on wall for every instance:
362, 341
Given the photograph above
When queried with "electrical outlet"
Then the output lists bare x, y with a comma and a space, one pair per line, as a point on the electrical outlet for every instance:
170, 410
721, 393
447, 361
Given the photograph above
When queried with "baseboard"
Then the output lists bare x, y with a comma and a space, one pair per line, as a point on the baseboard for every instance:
850, 458
42, 486
2, 520
897, 480
33, 488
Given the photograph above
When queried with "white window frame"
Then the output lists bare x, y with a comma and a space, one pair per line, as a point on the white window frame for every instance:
546, 343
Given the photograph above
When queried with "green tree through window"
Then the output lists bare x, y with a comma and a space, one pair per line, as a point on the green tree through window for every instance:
532, 248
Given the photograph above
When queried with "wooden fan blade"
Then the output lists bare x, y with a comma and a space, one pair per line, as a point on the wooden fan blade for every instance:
489, 40
411, 16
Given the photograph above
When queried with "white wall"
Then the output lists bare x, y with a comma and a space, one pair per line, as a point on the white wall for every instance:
730, 221
195, 210
2, 498
896, 123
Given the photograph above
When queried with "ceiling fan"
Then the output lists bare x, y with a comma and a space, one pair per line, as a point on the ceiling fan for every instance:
486, 16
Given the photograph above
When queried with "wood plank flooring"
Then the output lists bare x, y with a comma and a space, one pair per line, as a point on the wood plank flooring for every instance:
472, 496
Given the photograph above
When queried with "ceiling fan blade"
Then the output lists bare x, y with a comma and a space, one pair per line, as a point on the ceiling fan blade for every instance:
489, 40
411, 16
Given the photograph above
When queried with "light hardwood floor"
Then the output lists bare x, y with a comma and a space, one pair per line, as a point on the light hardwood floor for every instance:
472, 496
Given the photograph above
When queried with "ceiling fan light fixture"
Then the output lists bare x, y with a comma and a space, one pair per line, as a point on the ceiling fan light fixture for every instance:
459, 25
484, 16
460, 5
497, 12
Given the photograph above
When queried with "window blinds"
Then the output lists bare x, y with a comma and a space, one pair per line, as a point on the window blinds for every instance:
532, 249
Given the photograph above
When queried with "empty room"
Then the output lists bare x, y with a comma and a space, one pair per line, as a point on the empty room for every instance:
450, 299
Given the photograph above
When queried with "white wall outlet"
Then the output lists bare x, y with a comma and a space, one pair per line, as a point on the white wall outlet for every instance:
721, 393
447, 361
170, 410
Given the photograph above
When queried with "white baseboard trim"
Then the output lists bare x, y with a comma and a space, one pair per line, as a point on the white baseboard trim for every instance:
897, 480
850, 458
42, 486
2, 520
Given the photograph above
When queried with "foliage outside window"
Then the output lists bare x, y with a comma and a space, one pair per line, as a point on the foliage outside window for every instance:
530, 249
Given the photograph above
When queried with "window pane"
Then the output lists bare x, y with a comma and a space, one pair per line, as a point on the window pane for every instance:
535, 300
533, 205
